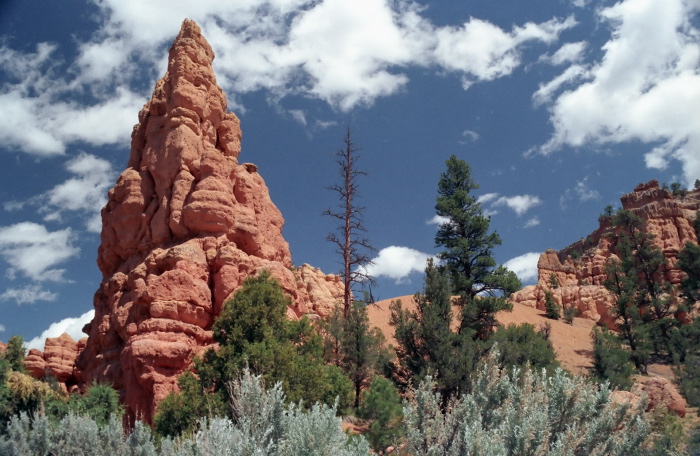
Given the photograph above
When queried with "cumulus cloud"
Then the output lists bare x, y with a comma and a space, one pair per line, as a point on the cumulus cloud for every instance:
34, 251
481, 51
524, 266
343, 53
397, 263
28, 294
72, 326
645, 88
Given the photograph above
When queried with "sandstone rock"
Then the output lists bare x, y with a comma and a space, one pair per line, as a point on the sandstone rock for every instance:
660, 392
57, 360
668, 218
184, 226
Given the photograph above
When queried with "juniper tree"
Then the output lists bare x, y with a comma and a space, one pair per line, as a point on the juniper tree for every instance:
482, 285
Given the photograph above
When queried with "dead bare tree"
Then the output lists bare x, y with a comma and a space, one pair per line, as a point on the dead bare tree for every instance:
348, 236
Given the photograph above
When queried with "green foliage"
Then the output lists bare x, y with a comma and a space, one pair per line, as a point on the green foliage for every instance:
570, 313
678, 190
351, 343
689, 262
553, 281
264, 425
522, 413
14, 353
467, 258
180, 413
644, 300
666, 437
426, 342
551, 308
521, 345
381, 404
697, 184
253, 332
611, 362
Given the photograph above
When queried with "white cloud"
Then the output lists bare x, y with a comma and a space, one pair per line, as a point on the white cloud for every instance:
568, 52
469, 136
34, 251
344, 53
585, 193
72, 326
546, 91
524, 266
486, 198
2, 328
481, 51
397, 263
28, 295
438, 220
645, 88
519, 203
534, 221
85, 193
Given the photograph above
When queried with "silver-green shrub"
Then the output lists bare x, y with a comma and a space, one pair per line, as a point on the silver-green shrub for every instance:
523, 413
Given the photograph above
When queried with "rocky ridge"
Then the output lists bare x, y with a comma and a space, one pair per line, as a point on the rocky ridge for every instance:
580, 268
184, 226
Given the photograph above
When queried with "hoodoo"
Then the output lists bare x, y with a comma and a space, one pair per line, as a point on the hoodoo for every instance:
184, 226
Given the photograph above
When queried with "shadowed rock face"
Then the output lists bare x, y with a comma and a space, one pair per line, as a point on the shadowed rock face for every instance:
668, 218
184, 226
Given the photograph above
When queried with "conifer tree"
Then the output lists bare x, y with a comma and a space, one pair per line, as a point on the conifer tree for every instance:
467, 255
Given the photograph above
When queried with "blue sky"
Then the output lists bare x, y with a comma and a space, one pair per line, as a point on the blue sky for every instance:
559, 106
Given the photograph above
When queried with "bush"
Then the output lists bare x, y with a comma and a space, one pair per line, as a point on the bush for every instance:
611, 362
264, 425
518, 345
381, 404
569, 314
518, 412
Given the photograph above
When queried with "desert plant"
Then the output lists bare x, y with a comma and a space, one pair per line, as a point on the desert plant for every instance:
611, 362
514, 412
570, 313
381, 404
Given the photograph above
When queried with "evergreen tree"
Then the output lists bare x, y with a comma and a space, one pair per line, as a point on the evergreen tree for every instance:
550, 306
482, 286
381, 404
14, 353
427, 344
644, 300
611, 362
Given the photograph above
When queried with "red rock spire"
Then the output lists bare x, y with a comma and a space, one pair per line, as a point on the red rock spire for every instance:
184, 225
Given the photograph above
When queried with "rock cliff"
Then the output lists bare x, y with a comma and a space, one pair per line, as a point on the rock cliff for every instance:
580, 268
184, 226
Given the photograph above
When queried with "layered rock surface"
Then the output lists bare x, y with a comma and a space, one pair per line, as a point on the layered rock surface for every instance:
184, 226
580, 268
57, 360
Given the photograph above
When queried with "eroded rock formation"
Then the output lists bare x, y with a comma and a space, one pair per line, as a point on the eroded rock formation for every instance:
579, 269
184, 226
57, 360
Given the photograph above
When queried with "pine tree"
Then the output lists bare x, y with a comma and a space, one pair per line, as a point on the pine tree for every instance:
482, 286
645, 301
427, 344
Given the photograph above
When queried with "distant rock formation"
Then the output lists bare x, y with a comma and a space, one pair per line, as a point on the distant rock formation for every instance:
184, 226
57, 360
580, 268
